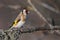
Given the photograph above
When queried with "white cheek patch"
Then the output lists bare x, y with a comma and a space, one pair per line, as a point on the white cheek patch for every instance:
24, 12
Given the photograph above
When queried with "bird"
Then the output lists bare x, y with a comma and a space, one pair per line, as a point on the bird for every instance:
20, 20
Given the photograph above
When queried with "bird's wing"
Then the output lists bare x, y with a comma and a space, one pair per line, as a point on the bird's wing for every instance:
15, 23
16, 20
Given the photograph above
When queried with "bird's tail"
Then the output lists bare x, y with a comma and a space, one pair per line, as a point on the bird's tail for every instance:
10, 29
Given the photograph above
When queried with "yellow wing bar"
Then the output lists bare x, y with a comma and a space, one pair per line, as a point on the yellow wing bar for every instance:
15, 22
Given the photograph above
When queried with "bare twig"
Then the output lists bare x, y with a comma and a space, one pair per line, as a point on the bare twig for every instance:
40, 15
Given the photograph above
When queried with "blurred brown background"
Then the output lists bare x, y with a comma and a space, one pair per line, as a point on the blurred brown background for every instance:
9, 9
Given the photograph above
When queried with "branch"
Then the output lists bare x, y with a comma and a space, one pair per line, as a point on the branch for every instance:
39, 29
14, 35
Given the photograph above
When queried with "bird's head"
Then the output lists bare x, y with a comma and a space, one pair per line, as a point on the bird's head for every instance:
25, 11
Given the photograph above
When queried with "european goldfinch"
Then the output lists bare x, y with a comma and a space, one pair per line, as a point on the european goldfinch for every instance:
20, 20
